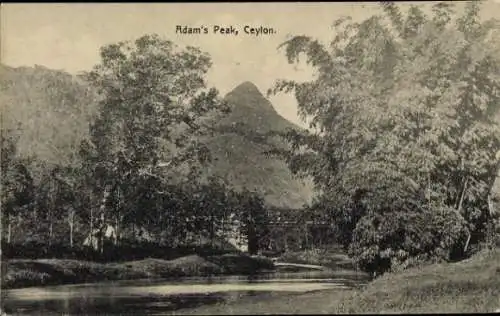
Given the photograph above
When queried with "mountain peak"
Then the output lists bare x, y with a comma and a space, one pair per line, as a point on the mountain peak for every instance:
251, 107
239, 149
247, 87
247, 95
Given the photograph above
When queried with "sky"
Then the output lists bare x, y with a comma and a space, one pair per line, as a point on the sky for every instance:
68, 36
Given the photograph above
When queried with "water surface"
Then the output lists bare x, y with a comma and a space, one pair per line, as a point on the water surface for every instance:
163, 296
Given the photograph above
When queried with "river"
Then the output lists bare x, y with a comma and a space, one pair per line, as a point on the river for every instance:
163, 297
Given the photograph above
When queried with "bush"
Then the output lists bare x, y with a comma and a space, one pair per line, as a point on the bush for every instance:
35, 249
125, 251
398, 240
24, 278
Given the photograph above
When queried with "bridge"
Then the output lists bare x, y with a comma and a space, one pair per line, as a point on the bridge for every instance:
297, 223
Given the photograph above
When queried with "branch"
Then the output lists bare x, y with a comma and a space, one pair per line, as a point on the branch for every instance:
164, 164
148, 173
146, 170
459, 206
491, 206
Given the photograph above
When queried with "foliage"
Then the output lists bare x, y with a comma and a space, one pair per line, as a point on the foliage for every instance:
394, 240
135, 146
51, 109
45, 115
17, 189
24, 273
252, 216
238, 150
154, 103
132, 161
403, 133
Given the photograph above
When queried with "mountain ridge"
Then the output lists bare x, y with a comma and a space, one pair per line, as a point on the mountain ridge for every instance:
247, 103
242, 142
54, 109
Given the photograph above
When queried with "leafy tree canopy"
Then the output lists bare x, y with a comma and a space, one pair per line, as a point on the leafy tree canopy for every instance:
403, 110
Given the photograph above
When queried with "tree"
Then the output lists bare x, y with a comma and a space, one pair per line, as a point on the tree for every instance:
252, 217
16, 182
154, 104
403, 116
49, 111
211, 209
71, 197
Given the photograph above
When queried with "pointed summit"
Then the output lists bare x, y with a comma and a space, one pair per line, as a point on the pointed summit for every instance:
250, 107
246, 99
240, 146
247, 87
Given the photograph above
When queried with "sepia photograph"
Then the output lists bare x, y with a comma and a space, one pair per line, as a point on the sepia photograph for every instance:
228, 158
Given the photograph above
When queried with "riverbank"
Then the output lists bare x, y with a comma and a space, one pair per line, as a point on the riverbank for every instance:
19, 273
329, 257
470, 286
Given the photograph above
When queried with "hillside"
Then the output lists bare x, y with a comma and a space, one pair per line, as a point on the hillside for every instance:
239, 148
52, 110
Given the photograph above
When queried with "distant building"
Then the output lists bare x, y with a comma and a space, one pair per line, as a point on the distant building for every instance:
93, 241
238, 241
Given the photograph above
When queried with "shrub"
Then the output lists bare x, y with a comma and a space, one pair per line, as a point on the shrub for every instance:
400, 239
126, 250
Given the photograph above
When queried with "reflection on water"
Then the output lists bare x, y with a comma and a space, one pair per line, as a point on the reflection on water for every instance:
110, 305
154, 297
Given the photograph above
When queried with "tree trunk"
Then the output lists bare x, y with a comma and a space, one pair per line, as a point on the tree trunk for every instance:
50, 232
71, 235
459, 209
460, 202
9, 229
429, 190
50, 224
91, 233
116, 231
212, 233
494, 196
286, 243
2, 272
299, 241
252, 240
71, 224
102, 232
102, 210
306, 235
467, 242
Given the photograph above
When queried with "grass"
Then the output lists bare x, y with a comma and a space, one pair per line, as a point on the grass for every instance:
20, 273
471, 286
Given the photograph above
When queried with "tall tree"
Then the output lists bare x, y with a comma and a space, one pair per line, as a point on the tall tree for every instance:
154, 105
403, 117
253, 219
16, 182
